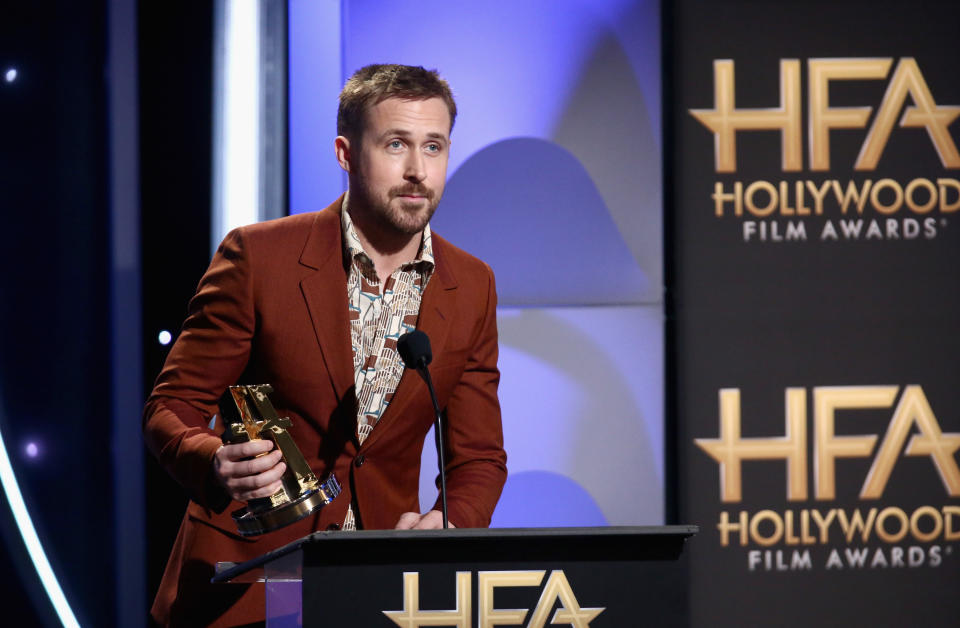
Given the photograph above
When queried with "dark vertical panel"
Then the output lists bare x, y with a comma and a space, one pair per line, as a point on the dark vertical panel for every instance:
125, 299
175, 124
54, 343
762, 316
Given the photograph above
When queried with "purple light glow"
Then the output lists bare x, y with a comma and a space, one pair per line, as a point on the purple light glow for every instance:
31, 450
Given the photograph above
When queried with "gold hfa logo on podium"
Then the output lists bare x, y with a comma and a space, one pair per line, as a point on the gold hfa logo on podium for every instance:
556, 588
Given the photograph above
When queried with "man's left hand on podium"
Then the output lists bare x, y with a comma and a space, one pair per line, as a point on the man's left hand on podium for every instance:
432, 520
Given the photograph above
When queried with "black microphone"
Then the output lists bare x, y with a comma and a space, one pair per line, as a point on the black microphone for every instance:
414, 349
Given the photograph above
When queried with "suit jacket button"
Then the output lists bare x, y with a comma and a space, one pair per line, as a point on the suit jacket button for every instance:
333, 526
359, 460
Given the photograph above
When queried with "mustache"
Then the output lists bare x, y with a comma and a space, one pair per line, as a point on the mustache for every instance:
412, 189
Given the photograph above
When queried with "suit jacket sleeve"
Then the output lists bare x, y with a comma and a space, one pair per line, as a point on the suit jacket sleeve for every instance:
210, 354
476, 463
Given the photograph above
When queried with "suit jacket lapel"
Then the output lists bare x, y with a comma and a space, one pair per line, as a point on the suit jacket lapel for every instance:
325, 294
436, 315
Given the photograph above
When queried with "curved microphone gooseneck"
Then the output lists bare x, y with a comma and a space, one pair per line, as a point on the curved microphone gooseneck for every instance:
414, 349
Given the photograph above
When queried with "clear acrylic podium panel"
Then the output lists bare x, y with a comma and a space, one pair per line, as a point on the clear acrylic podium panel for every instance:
284, 591
283, 584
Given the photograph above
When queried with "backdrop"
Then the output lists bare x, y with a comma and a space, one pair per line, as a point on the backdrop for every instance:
816, 256
555, 181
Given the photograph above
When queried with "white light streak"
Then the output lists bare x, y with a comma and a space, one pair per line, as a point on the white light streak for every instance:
32, 541
236, 183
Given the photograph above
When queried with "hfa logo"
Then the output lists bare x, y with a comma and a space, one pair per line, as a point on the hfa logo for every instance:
725, 119
556, 588
862, 537
829, 209
913, 409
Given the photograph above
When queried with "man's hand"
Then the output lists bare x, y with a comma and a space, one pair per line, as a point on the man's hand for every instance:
432, 520
245, 473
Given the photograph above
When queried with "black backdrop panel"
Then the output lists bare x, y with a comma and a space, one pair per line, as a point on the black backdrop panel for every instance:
54, 307
867, 323
175, 74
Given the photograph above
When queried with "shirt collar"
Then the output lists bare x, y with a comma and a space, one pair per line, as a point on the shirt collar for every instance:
353, 248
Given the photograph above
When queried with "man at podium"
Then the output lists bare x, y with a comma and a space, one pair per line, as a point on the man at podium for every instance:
313, 305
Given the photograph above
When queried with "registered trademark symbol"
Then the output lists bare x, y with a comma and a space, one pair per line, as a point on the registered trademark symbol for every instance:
943, 222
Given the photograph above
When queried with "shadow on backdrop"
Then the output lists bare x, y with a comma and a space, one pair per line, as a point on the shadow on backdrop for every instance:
570, 407
606, 125
529, 209
537, 499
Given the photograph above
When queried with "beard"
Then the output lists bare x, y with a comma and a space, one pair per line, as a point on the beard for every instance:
391, 211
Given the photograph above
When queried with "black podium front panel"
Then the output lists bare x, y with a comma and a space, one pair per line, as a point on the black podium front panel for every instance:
598, 577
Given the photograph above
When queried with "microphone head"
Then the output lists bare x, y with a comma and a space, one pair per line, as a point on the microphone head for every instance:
414, 349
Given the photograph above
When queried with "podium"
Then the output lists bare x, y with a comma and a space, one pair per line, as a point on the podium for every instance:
599, 577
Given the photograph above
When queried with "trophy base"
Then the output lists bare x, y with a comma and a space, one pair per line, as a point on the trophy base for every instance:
251, 523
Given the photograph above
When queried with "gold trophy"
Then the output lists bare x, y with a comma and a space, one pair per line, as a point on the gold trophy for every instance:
248, 415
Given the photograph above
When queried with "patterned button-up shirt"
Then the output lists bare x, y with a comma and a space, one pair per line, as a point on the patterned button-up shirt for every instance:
379, 314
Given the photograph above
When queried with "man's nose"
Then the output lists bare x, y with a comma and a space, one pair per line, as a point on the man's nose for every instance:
415, 172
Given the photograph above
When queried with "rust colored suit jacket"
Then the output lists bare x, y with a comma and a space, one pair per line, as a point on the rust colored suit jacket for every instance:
272, 308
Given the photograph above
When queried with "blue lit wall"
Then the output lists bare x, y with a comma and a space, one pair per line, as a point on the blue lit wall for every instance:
555, 181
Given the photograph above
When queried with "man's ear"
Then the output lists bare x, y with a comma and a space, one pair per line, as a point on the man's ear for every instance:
341, 147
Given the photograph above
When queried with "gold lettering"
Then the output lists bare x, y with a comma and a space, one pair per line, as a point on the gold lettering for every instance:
724, 120
914, 408
490, 580
771, 204
827, 446
725, 528
720, 197
802, 210
785, 209
412, 617
730, 450
927, 184
899, 515
933, 513
788, 535
907, 80
760, 517
824, 523
822, 116
943, 184
931, 441
805, 536
852, 195
949, 532
856, 522
821, 192
897, 196
569, 611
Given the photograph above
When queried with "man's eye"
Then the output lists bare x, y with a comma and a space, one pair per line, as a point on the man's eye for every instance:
433, 148
396, 144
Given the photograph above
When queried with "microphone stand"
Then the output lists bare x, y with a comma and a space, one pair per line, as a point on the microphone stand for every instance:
438, 434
